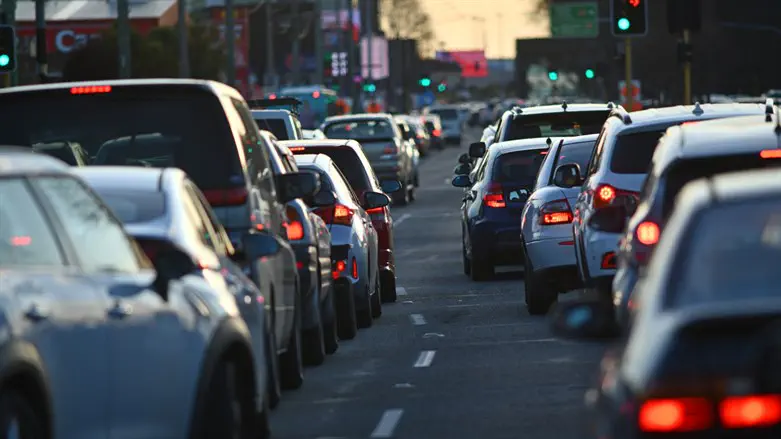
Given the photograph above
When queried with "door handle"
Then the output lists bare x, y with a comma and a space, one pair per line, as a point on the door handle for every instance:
36, 314
120, 310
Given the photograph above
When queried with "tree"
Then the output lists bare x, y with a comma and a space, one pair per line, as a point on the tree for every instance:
406, 19
152, 56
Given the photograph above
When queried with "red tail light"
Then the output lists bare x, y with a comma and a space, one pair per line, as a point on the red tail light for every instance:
272, 96
750, 411
605, 195
226, 197
21, 241
355, 269
390, 149
675, 415
93, 89
608, 261
555, 212
771, 154
648, 233
295, 228
338, 214
295, 149
338, 269
493, 196
376, 210
437, 133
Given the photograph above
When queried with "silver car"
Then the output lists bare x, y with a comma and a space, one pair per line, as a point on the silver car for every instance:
546, 226
354, 242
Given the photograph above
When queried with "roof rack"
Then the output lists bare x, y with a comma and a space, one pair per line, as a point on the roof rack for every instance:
769, 106
293, 104
564, 105
697, 109
611, 105
621, 113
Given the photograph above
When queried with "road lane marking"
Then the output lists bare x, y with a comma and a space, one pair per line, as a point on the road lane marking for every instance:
387, 423
417, 319
425, 358
400, 291
401, 219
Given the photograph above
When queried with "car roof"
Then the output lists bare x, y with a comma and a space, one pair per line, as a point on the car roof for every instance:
126, 178
319, 160
523, 144
20, 161
561, 108
579, 139
677, 113
747, 184
361, 116
319, 142
213, 86
272, 114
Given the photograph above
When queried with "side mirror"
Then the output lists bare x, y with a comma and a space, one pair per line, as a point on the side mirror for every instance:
462, 181
567, 176
477, 150
464, 158
585, 320
260, 245
296, 185
462, 169
171, 263
390, 186
323, 199
373, 200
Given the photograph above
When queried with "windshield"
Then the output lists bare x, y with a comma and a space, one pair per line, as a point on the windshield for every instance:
560, 124
276, 126
724, 263
349, 163
371, 129
445, 113
633, 152
520, 167
134, 207
171, 126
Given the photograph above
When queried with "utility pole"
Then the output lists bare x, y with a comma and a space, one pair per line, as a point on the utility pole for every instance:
270, 71
351, 62
628, 73
295, 30
184, 51
342, 45
123, 38
369, 40
230, 43
318, 29
40, 40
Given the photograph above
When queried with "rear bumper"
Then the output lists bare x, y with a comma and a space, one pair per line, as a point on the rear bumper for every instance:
499, 244
551, 252
306, 262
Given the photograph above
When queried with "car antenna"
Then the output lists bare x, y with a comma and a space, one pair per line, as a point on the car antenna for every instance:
549, 142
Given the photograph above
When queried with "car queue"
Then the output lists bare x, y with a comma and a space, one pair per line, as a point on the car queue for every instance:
206, 262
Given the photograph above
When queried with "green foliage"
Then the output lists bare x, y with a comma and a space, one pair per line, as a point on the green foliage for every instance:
154, 55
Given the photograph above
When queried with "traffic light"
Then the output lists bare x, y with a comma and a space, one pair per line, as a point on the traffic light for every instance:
442, 87
7, 49
590, 74
629, 18
553, 75
370, 88
425, 81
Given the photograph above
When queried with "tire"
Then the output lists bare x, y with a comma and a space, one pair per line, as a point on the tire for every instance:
262, 421
346, 324
388, 286
273, 389
364, 316
314, 348
376, 300
537, 293
411, 194
226, 416
330, 337
17, 410
401, 198
290, 363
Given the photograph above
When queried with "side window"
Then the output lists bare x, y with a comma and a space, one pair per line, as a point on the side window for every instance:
297, 128
97, 237
257, 160
344, 186
593, 163
481, 171
215, 234
498, 130
196, 217
26, 238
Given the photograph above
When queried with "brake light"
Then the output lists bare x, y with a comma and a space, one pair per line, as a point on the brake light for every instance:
315, 94
343, 215
355, 268
750, 411
555, 212
376, 210
494, 196
608, 261
771, 154
606, 195
338, 269
92, 89
648, 233
437, 133
296, 148
226, 197
295, 228
272, 96
390, 149
21, 241
675, 415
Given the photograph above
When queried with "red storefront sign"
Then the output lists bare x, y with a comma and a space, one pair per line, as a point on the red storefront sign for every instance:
241, 51
65, 37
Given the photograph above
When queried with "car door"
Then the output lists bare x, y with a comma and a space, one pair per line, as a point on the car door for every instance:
148, 337
56, 308
582, 209
371, 234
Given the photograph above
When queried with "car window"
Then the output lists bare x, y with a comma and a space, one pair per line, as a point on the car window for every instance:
724, 263
445, 113
26, 238
559, 124
275, 125
593, 163
633, 152
572, 153
518, 167
215, 234
347, 161
97, 237
340, 185
481, 170
133, 207
196, 217
361, 130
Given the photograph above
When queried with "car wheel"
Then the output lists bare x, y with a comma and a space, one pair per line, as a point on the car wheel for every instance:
262, 421
465, 260
481, 270
18, 417
273, 388
314, 348
291, 364
377, 300
537, 293
388, 286
365, 315
346, 324
227, 414
330, 337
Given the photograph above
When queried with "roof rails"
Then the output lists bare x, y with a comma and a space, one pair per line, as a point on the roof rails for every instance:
621, 113
610, 105
697, 109
265, 104
769, 109
564, 105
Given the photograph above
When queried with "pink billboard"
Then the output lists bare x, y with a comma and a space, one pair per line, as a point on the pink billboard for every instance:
473, 62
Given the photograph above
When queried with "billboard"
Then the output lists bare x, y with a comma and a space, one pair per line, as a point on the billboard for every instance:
473, 62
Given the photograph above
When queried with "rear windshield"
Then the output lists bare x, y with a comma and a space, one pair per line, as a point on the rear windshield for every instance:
633, 152
518, 167
560, 124
445, 113
133, 207
155, 126
685, 171
574, 153
276, 126
375, 129
724, 263
349, 163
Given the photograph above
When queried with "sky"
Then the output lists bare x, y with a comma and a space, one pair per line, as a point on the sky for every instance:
490, 24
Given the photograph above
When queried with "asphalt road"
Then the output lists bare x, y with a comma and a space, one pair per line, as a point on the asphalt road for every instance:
452, 359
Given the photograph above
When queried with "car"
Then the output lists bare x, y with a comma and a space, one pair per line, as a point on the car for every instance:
433, 126
550, 267
491, 209
70, 153
284, 124
409, 135
312, 134
204, 128
686, 153
614, 177
452, 122
561, 120
311, 241
354, 242
421, 137
699, 347
349, 157
167, 349
390, 154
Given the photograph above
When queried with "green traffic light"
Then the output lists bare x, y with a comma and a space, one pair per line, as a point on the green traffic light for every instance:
4, 60
425, 82
589, 74
624, 24
553, 76
441, 88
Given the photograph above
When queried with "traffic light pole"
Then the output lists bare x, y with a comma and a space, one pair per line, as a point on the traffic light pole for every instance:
628, 73
687, 73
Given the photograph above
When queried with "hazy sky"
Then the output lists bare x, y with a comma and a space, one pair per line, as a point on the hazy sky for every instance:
465, 24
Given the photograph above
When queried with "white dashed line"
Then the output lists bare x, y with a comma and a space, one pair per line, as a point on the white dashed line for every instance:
400, 291
425, 358
401, 219
417, 319
387, 423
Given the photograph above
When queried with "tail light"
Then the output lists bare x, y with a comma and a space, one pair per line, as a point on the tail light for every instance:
391, 149
355, 268
437, 133
93, 89
555, 212
750, 411
295, 149
493, 196
608, 261
648, 233
606, 195
770, 154
295, 228
226, 197
675, 415
337, 214
338, 268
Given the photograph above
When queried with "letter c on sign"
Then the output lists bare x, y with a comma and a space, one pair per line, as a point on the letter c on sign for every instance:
63, 45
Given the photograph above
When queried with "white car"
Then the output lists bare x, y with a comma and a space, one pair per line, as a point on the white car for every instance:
452, 122
546, 226
313, 134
